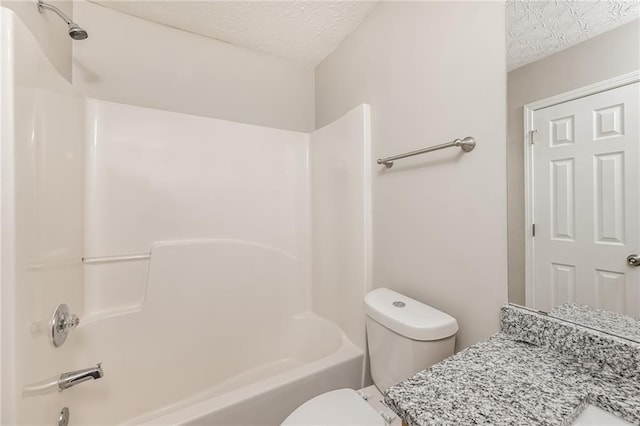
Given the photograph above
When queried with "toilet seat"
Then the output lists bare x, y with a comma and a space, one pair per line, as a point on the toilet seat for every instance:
342, 407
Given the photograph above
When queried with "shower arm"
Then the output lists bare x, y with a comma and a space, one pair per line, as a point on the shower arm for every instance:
75, 31
42, 5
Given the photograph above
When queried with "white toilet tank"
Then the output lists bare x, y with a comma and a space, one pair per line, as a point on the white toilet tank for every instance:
405, 336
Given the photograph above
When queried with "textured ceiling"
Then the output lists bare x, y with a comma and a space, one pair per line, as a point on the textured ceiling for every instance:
536, 29
304, 31
308, 30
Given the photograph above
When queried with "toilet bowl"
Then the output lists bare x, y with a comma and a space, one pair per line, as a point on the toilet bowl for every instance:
404, 336
339, 407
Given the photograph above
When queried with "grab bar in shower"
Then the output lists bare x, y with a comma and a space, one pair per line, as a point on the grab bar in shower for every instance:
467, 144
122, 258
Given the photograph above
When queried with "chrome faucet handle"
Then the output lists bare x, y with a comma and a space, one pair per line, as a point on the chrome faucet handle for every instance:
71, 322
61, 324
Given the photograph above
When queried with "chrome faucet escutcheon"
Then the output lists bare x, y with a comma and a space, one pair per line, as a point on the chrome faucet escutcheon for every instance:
73, 378
62, 323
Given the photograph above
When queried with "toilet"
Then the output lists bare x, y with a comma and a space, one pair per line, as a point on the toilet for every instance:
404, 337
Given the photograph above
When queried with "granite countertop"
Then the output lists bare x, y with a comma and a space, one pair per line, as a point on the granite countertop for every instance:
504, 381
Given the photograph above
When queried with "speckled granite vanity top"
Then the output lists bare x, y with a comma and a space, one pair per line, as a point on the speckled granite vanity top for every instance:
536, 371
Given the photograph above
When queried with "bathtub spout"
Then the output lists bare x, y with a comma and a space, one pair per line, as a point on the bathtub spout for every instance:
73, 378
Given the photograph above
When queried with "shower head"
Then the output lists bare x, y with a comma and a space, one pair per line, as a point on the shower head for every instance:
75, 32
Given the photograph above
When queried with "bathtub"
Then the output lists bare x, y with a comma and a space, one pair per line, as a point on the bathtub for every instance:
315, 357
214, 343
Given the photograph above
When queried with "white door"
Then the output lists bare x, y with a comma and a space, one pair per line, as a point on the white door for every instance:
586, 186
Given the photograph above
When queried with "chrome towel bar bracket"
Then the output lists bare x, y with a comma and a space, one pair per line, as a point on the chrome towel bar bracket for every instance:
467, 145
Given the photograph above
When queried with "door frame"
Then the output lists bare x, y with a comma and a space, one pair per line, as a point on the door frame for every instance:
528, 137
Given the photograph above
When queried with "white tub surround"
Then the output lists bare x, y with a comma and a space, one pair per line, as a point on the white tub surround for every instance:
196, 291
41, 166
340, 163
217, 215
158, 176
197, 295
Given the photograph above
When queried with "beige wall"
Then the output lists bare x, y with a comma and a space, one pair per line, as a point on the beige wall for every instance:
48, 29
432, 72
608, 55
130, 60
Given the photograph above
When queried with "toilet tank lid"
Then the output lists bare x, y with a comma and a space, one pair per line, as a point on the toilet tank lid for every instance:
408, 317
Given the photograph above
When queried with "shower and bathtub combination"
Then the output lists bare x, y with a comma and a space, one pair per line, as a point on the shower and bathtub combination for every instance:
217, 268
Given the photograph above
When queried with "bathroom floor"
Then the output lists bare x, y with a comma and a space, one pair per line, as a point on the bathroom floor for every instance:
376, 400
